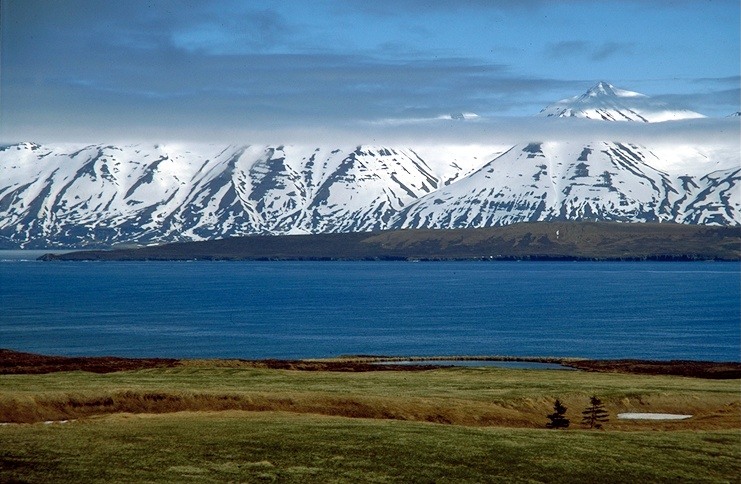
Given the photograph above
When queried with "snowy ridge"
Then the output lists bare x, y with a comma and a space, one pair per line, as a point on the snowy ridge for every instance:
605, 181
103, 195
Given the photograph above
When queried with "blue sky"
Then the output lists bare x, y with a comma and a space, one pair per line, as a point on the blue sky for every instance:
93, 70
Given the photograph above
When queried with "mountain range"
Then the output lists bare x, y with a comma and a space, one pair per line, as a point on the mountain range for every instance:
104, 195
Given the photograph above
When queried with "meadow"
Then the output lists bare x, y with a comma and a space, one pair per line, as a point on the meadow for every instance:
215, 421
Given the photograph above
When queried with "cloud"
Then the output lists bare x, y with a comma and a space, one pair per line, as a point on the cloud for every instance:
167, 84
385, 7
608, 50
198, 69
166, 92
715, 98
728, 81
567, 48
394, 7
597, 52
245, 32
509, 131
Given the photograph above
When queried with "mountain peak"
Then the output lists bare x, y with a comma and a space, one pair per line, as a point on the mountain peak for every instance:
459, 116
605, 89
23, 145
601, 88
606, 102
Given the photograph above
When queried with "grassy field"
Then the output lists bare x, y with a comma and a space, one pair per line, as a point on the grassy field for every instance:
224, 421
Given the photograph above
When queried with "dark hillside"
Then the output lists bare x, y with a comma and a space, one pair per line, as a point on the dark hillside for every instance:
536, 241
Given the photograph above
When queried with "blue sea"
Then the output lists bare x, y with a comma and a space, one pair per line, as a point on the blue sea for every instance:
652, 310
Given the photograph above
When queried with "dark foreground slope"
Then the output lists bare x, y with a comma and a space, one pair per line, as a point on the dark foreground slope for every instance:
538, 241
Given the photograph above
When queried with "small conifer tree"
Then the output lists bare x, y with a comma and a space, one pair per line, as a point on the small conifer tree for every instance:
557, 420
595, 414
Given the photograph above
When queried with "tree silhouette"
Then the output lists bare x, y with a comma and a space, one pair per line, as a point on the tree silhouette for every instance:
595, 414
557, 419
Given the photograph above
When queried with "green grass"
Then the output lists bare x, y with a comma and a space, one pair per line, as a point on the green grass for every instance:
222, 421
474, 383
265, 447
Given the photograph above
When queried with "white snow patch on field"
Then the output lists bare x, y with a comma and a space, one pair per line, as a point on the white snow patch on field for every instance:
652, 416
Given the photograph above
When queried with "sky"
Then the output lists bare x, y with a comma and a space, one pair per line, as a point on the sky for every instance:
244, 71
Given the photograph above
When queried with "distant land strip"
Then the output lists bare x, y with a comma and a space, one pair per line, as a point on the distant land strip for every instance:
17, 362
568, 241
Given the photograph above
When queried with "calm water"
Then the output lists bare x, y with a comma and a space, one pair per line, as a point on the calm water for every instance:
319, 309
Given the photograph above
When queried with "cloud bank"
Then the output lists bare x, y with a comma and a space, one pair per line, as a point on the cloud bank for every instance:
88, 70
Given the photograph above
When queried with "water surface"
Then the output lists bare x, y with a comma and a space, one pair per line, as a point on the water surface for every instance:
654, 310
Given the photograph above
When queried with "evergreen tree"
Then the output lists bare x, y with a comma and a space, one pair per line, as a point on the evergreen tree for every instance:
595, 414
557, 419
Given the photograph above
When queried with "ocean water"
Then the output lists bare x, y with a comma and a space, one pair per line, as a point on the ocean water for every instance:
656, 310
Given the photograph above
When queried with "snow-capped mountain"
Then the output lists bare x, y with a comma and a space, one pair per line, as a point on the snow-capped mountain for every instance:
606, 102
102, 195
460, 116
596, 180
548, 181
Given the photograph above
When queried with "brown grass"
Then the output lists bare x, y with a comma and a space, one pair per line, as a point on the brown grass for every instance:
16, 362
70, 407
710, 414
696, 369
353, 388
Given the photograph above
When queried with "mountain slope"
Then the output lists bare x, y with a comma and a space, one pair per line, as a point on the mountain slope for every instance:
103, 195
607, 181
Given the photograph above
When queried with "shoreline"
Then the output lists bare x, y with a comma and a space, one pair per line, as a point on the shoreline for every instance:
18, 362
